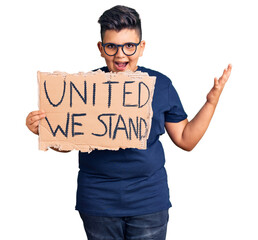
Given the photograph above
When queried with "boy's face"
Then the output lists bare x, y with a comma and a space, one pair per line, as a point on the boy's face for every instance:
121, 62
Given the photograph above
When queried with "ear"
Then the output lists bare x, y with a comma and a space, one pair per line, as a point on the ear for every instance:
100, 49
142, 47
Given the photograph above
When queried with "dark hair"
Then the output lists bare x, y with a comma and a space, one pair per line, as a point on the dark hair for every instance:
118, 18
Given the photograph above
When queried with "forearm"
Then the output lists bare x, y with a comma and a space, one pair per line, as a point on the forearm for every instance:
195, 129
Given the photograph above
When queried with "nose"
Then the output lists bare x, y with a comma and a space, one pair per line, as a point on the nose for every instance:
120, 52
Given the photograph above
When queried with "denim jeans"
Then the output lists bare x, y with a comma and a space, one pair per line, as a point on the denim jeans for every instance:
144, 227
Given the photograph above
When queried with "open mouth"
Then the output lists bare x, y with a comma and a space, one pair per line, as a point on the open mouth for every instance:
121, 65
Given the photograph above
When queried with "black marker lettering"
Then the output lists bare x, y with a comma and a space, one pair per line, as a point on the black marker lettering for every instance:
110, 90
145, 133
125, 93
65, 133
110, 121
72, 86
76, 123
131, 125
94, 94
139, 96
48, 98
120, 128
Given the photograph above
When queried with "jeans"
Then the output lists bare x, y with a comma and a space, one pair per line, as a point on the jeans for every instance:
144, 227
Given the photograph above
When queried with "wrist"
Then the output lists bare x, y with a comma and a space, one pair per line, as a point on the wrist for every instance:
212, 104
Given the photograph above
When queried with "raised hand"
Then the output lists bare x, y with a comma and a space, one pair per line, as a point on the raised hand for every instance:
214, 94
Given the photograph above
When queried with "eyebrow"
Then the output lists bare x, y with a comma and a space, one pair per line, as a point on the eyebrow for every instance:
123, 43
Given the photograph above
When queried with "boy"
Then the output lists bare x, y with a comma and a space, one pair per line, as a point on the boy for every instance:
124, 194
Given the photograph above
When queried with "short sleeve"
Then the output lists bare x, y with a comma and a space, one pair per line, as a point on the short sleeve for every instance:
176, 111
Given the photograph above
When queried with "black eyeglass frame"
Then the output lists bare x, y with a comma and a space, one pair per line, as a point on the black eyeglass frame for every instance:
122, 46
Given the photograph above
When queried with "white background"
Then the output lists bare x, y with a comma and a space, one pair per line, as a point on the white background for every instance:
213, 188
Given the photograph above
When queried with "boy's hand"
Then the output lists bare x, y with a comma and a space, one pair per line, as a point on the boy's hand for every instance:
214, 94
32, 120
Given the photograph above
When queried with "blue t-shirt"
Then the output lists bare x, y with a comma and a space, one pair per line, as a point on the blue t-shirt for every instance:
131, 181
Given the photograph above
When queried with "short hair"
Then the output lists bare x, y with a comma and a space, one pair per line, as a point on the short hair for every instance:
118, 18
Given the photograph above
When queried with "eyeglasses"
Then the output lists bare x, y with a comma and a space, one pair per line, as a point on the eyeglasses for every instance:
128, 49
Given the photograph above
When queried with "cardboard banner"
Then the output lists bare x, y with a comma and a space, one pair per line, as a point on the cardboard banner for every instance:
95, 110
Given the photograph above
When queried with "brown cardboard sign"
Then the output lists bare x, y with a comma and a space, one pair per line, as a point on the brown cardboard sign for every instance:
95, 110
